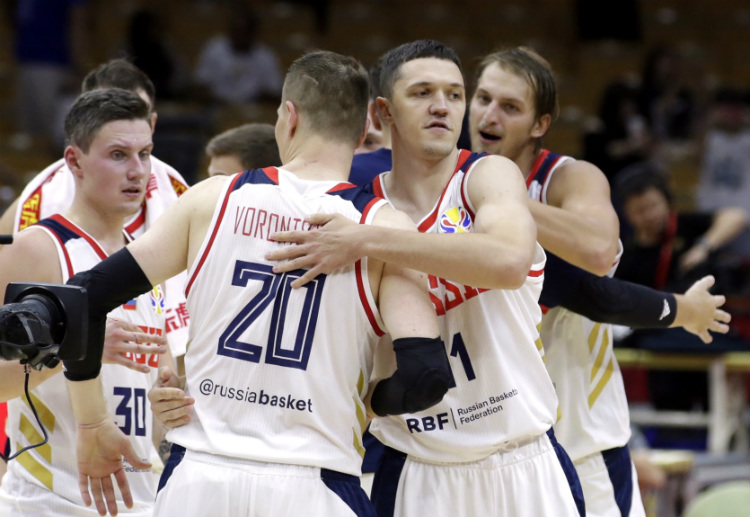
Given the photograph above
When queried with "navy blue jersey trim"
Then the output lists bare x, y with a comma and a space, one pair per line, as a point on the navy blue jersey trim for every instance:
540, 175
253, 177
473, 157
63, 233
360, 197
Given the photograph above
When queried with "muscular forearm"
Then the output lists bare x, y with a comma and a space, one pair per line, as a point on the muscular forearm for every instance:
587, 243
494, 264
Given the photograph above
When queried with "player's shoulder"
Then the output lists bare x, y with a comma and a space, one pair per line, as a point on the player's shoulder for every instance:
33, 249
493, 164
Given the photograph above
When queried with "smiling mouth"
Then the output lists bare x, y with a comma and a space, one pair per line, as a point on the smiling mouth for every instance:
491, 138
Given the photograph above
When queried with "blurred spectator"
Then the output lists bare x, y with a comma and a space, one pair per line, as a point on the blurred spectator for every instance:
50, 42
622, 137
668, 105
669, 251
725, 173
236, 68
251, 146
148, 50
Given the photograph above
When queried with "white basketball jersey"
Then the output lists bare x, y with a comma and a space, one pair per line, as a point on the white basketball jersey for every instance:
502, 391
581, 360
51, 192
53, 465
278, 374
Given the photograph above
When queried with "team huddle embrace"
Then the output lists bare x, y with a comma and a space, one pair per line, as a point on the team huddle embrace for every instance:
400, 317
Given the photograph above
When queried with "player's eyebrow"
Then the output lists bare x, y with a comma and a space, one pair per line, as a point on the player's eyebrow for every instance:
430, 83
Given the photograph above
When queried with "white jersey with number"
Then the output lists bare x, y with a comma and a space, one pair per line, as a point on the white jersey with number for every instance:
278, 374
53, 466
51, 192
581, 360
502, 392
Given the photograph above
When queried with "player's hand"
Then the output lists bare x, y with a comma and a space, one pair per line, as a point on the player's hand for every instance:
122, 338
702, 311
168, 401
335, 244
100, 448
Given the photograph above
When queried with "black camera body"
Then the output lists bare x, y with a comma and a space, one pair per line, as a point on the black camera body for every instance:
42, 324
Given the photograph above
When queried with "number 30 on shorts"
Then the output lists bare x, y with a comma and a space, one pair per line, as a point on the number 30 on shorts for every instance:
274, 295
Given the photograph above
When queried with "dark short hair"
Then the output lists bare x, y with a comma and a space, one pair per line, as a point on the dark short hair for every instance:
253, 144
391, 61
119, 73
636, 179
527, 63
92, 110
331, 91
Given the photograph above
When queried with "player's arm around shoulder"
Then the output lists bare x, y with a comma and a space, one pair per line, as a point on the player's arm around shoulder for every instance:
579, 223
497, 192
171, 244
401, 293
31, 258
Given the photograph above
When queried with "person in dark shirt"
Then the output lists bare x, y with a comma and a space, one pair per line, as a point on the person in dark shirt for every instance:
669, 250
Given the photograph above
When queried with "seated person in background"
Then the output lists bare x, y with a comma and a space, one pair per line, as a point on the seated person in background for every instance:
234, 68
250, 146
668, 250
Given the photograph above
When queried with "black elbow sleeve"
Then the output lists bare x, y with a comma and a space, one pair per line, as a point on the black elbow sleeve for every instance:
422, 377
611, 300
108, 285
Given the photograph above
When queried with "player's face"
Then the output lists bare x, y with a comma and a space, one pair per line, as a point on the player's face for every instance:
224, 165
647, 212
428, 106
117, 167
501, 113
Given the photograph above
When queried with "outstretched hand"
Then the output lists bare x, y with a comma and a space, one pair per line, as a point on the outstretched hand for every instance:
100, 448
170, 404
124, 341
336, 243
703, 313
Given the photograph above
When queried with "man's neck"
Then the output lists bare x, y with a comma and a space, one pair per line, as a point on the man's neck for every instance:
415, 182
105, 228
319, 160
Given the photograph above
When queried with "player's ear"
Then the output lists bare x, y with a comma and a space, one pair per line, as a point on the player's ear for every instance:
292, 118
72, 155
372, 110
384, 106
541, 126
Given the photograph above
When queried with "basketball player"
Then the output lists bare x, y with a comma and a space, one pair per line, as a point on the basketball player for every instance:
511, 109
52, 190
472, 454
109, 137
278, 375
250, 146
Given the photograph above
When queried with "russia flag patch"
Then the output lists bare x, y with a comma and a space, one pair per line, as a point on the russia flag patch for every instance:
129, 306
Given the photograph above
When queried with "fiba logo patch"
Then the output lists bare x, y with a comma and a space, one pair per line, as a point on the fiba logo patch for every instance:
455, 220
157, 300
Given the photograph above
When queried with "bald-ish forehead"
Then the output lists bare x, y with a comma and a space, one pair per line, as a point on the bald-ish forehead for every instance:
429, 70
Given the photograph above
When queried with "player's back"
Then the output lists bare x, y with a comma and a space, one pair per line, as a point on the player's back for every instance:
278, 374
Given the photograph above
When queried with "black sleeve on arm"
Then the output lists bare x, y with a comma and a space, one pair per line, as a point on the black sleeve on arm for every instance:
610, 300
422, 377
108, 285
